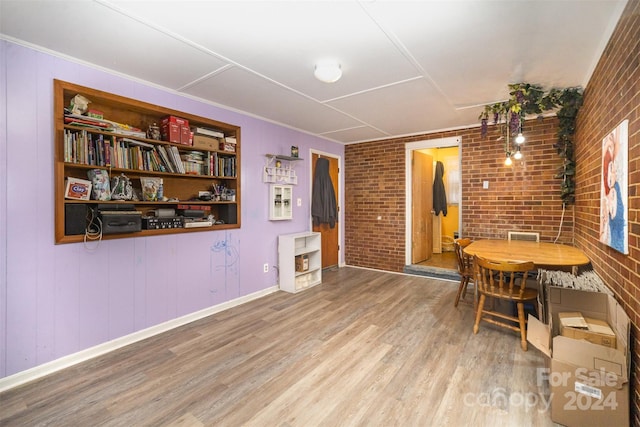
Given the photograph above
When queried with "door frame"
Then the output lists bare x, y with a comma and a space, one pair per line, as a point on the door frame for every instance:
454, 141
340, 200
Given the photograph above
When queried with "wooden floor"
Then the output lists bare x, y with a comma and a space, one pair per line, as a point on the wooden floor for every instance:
442, 260
365, 348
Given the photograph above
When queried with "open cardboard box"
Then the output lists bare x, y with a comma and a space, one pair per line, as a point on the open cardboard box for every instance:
589, 383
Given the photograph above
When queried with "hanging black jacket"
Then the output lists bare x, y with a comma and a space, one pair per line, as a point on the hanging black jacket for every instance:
439, 195
324, 208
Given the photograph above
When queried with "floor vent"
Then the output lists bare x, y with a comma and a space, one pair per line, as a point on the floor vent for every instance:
522, 235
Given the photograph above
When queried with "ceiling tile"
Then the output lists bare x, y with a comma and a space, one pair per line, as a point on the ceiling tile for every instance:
266, 99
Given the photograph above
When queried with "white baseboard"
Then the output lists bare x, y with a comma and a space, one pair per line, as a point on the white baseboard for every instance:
100, 349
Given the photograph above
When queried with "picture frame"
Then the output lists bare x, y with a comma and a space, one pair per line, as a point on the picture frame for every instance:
614, 189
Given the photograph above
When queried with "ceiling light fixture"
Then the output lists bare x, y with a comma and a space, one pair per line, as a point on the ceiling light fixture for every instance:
512, 145
328, 72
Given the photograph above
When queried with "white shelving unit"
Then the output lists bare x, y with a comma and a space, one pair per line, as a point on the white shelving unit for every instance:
280, 202
279, 169
296, 247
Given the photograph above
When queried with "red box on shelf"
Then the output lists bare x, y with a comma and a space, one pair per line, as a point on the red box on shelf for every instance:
171, 132
177, 120
185, 135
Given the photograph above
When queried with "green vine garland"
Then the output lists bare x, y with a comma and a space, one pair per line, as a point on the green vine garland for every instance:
527, 99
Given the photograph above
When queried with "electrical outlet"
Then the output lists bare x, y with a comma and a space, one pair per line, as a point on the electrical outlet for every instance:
266, 267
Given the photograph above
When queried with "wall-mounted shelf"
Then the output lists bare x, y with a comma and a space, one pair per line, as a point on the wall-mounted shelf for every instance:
279, 169
111, 145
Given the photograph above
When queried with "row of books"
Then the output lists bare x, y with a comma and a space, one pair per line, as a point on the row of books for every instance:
83, 147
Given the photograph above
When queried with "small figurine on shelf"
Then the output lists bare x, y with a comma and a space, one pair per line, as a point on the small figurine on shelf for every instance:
294, 151
278, 163
154, 132
121, 188
79, 104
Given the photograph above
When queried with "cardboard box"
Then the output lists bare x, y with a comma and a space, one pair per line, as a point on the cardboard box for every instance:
78, 189
574, 325
205, 142
302, 263
229, 148
588, 383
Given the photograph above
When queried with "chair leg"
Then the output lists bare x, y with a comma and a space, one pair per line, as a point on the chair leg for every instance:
523, 326
476, 326
475, 295
463, 285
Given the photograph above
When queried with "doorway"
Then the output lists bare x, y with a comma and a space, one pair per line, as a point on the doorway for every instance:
446, 150
330, 237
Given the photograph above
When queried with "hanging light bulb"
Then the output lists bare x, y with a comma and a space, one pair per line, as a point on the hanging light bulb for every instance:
507, 161
518, 154
519, 138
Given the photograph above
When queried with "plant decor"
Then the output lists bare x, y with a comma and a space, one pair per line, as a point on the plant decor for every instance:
526, 99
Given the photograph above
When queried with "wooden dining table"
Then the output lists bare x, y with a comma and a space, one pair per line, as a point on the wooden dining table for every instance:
542, 254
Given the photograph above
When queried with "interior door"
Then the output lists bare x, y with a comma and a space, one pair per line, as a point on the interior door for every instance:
421, 207
329, 235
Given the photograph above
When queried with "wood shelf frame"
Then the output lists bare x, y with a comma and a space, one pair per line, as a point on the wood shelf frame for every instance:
219, 167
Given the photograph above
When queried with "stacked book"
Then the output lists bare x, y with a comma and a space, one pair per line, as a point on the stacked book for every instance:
197, 130
103, 124
193, 162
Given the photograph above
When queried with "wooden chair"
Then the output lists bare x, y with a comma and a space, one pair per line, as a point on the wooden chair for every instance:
465, 269
499, 280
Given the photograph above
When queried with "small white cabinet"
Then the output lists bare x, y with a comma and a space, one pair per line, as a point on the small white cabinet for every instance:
299, 261
280, 202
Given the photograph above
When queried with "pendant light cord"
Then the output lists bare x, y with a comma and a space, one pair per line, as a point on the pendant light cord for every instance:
561, 222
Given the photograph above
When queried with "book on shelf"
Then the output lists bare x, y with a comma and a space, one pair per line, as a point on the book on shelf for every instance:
165, 159
175, 158
97, 149
87, 123
207, 132
103, 124
136, 142
107, 152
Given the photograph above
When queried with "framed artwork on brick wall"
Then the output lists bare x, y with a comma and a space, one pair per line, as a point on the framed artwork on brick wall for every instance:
614, 213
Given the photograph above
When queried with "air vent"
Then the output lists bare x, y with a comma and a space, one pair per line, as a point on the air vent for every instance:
526, 236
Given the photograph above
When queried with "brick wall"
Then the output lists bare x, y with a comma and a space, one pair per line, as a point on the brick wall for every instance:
374, 186
523, 197
612, 95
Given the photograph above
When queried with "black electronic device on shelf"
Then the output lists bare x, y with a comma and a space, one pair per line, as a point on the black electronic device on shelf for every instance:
119, 218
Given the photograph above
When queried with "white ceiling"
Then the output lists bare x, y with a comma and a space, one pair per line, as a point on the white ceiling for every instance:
409, 67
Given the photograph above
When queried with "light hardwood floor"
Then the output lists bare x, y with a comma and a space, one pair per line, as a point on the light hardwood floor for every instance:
365, 348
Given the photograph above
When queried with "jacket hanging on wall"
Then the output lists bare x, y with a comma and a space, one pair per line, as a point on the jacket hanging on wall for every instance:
439, 195
324, 209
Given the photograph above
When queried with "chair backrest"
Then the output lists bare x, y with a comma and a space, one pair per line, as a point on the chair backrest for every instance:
465, 262
499, 276
523, 235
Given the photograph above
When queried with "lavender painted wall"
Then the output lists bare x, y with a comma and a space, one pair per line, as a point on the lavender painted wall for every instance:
61, 299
